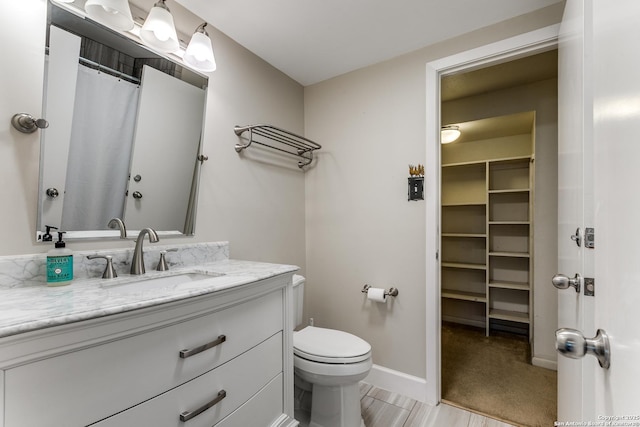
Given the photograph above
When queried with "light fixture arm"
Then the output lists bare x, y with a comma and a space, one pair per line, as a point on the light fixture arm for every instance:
202, 30
161, 4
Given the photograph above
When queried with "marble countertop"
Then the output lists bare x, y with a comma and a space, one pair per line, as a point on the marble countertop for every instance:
32, 305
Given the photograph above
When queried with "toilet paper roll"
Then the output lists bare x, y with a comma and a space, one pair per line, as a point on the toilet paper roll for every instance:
376, 294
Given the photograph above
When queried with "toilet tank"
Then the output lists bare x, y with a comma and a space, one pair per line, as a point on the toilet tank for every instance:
298, 298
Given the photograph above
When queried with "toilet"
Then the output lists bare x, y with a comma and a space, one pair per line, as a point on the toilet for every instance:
328, 364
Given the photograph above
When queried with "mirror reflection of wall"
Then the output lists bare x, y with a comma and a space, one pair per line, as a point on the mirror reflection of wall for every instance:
101, 127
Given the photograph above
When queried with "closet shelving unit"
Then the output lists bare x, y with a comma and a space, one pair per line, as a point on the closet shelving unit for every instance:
487, 240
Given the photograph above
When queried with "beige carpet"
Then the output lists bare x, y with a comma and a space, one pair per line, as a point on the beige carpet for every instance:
492, 375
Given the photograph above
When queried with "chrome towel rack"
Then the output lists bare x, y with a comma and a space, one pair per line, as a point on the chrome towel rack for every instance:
278, 139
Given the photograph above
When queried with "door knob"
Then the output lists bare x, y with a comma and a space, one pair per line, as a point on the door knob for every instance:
26, 123
562, 281
571, 343
52, 193
137, 195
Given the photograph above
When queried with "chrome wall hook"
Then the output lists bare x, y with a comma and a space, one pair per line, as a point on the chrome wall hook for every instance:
26, 123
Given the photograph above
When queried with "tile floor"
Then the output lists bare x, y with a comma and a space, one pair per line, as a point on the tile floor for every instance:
381, 408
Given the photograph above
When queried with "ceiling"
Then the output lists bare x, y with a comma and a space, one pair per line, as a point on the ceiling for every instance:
518, 72
314, 40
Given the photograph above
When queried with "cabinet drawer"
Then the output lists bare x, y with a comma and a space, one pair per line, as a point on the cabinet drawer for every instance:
82, 387
261, 410
240, 378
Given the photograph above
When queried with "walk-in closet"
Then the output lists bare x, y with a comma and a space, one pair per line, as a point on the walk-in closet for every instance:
498, 191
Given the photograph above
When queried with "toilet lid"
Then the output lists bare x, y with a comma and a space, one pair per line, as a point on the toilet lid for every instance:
330, 346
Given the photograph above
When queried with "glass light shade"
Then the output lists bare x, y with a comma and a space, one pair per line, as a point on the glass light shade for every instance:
449, 134
112, 13
159, 31
199, 53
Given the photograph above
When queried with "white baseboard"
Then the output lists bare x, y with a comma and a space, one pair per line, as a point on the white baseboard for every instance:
545, 363
398, 382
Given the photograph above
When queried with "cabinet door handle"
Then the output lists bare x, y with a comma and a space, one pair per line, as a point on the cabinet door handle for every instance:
187, 415
188, 353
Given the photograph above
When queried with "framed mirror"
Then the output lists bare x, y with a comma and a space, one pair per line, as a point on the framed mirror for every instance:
124, 135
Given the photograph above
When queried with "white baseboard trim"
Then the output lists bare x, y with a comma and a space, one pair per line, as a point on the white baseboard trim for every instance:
398, 382
545, 363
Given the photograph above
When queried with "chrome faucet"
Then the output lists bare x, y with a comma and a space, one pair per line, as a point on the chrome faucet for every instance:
137, 262
117, 223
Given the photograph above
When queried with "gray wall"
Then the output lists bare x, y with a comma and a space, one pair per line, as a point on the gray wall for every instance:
253, 201
360, 226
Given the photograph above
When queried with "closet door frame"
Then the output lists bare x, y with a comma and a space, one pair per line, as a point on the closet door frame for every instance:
527, 44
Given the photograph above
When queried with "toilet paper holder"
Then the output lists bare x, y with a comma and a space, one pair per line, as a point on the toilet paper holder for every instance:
392, 292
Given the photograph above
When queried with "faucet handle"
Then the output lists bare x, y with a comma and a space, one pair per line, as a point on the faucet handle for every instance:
109, 271
162, 262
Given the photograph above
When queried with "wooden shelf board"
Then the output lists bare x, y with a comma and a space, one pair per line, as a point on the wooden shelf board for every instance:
462, 295
512, 316
464, 265
509, 222
509, 285
464, 204
510, 254
492, 160
470, 163
510, 159
513, 190
463, 235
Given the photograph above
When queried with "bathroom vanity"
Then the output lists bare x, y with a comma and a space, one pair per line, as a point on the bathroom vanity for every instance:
212, 346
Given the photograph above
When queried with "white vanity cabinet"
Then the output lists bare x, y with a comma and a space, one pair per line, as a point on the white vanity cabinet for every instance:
230, 349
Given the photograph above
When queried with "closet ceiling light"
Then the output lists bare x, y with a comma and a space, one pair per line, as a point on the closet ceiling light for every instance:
449, 134
112, 13
199, 53
158, 30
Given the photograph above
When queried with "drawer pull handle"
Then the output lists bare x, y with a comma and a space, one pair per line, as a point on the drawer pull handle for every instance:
187, 415
188, 353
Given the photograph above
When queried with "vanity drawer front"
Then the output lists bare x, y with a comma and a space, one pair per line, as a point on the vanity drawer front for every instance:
82, 387
240, 378
261, 410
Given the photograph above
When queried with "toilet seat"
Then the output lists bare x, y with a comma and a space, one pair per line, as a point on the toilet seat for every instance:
330, 346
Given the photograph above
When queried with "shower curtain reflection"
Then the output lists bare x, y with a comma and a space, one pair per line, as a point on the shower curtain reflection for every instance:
100, 150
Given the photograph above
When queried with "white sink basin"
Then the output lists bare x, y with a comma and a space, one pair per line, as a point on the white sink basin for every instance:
143, 283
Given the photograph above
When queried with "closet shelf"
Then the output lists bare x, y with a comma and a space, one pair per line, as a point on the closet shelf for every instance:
509, 285
510, 254
512, 316
462, 295
278, 139
463, 265
463, 235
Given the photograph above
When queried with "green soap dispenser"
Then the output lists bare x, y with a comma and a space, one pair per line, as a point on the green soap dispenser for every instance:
59, 264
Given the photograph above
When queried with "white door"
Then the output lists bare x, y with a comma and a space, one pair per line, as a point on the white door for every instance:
606, 116
616, 72
166, 173
575, 205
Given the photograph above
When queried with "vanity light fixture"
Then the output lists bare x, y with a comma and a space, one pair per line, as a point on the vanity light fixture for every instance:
449, 134
112, 13
199, 53
158, 30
